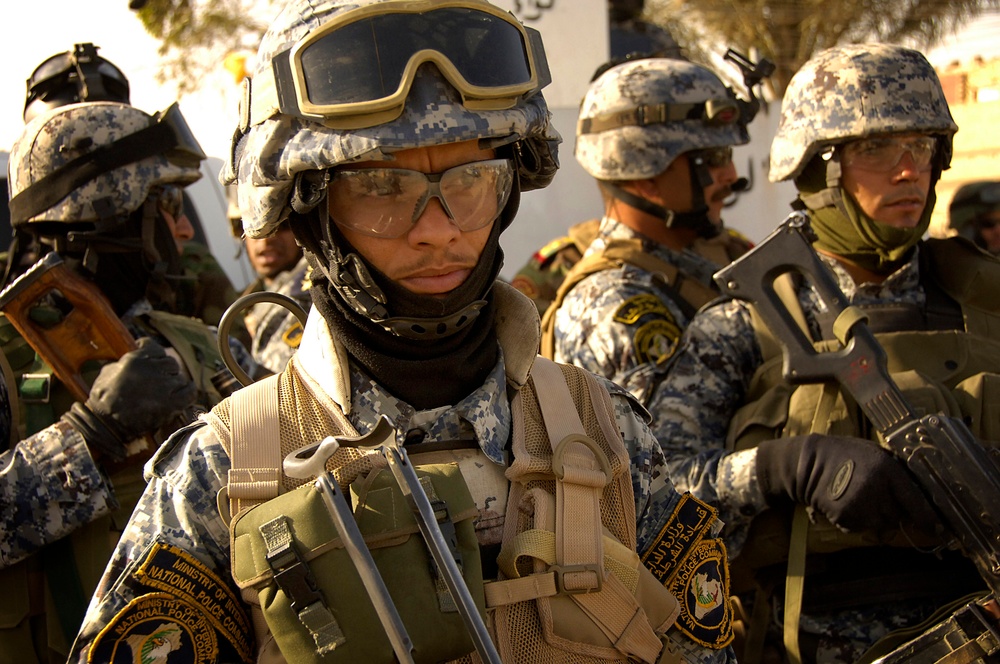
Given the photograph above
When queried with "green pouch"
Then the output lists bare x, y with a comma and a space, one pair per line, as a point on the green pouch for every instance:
390, 530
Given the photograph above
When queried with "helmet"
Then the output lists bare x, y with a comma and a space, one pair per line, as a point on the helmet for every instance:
97, 161
71, 77
294, 128
970, 202
636, 118
850, 92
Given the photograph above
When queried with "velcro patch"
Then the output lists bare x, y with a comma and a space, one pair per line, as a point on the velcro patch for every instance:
189, 615
696, 571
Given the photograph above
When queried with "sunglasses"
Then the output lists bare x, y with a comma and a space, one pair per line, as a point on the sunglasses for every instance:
713, 157
387, 202
171, 200
882, 154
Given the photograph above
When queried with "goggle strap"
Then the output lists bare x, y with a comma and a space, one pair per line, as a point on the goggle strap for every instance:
648, 114
158, 138
260, 99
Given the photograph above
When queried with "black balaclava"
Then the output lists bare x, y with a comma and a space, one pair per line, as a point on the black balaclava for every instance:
438, 370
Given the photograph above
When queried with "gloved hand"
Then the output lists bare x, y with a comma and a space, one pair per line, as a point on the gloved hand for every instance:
854, 483
131, 398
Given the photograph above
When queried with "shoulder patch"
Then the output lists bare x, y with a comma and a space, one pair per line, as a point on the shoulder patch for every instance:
634, 308
655, 340
189, 615
695, 569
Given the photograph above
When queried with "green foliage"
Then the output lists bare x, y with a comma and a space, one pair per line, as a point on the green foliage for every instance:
789, 32
195, 36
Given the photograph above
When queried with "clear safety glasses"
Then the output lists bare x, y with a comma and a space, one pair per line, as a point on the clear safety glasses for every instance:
882, 153
387, 202
356, 70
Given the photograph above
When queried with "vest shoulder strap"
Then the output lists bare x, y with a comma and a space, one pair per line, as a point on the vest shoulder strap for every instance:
255, 448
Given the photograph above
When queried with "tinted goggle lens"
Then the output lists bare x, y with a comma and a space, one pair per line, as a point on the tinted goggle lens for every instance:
387, 202
884, 153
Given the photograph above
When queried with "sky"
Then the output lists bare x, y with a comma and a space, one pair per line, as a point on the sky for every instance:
211, 112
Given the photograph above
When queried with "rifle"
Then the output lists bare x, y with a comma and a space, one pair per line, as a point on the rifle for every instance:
959, 476
88, 331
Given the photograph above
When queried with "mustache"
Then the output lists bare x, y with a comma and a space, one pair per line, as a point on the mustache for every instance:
722, 194
910, 193
448, 258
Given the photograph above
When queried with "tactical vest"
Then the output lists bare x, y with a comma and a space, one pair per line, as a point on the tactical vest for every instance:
689, 294
945, 358
536, 610
74, 564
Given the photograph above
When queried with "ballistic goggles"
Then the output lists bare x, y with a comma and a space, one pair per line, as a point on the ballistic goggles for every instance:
883, 153
355, 70
714, 113
168, 135
387, 202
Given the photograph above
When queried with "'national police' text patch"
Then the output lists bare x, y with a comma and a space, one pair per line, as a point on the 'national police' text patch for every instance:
188, 615
695, 569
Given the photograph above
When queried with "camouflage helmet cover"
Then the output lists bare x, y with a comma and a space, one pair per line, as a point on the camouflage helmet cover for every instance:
58, 137
972, 201
639, 152
266, 160
849, 92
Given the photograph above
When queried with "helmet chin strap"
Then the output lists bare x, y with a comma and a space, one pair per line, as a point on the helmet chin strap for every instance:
695, 219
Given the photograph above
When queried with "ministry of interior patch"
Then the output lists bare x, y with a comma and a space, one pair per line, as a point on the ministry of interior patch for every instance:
695, 569
183, 613
656, 334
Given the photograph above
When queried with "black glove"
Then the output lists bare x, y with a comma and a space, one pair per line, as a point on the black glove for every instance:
854, 483
132, 397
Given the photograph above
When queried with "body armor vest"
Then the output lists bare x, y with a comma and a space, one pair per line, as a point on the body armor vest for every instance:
945, 359
532, 611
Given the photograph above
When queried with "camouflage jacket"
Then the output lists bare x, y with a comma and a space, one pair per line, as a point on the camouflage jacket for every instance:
179, 508
625, 322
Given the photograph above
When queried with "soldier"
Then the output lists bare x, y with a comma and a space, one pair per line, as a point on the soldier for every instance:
974, 214
281, 268
202, 288
657, 134
865, 133
86, 182
398, 198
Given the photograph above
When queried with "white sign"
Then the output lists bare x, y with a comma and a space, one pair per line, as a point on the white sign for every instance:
575, 33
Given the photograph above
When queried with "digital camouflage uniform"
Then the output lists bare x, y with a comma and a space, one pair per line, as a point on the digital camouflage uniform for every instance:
178, 528
702, 417
62, 512
276, 331
547, 268
637, 119
179, 507
624, 323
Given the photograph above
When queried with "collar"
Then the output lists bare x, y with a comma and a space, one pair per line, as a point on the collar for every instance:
336, 382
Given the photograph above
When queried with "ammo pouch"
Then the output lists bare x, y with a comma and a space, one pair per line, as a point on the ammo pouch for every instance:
316, 607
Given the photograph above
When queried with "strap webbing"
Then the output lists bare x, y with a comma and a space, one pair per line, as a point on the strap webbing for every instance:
256, 445
579, 553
